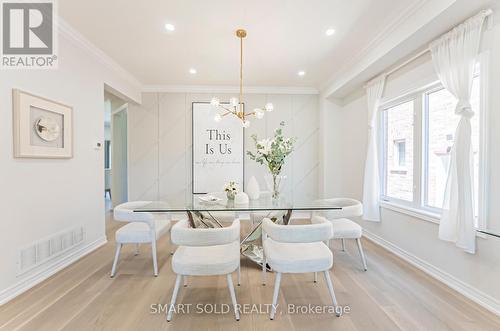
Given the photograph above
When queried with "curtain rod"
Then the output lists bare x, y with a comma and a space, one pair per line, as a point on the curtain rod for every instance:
405, 63
488, 12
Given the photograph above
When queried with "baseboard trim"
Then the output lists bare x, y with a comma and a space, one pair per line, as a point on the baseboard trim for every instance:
454, 283
48, 270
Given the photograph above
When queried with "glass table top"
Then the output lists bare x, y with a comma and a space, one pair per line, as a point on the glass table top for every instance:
196, 202
490, 233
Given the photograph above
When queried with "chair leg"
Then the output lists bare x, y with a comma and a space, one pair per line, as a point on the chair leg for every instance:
137, 249
360, 248
117, 256
275, 295
330, 289
264, 272
185, 280
343, 245
171, 308
315, 277
155, 261
233, 296
238, 272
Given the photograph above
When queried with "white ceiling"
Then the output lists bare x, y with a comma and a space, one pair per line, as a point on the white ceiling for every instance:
284, 36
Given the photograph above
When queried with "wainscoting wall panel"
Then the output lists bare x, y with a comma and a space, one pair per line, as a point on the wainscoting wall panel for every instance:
143, 149
160, 141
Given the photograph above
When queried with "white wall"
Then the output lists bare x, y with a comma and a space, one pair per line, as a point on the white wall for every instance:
160, 142
414, 238
39, 197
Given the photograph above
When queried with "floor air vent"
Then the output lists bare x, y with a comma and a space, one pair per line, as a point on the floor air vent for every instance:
44, 250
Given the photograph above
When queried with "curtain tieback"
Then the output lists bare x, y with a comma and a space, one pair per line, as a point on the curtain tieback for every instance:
464, 109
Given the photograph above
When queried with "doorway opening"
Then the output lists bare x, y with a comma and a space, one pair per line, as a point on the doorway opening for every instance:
115, 151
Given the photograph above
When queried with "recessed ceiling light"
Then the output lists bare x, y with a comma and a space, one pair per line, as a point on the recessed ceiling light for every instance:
330, 32
301, 73
169, 27
192, 71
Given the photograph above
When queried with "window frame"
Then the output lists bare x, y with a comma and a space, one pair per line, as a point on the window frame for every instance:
417, 207
425, 147
384, 148
483, 189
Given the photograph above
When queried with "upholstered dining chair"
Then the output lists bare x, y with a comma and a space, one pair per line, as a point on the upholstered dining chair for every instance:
205, 252
141, 228
221, 216
298, 249
343, 227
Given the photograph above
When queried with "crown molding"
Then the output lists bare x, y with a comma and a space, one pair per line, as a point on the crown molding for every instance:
382, 35
346, 73
79, 40
83, 43
229, 89
394, 33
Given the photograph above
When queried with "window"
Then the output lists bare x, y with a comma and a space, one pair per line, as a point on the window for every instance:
398, 130
400, 150
418, 131
441, 123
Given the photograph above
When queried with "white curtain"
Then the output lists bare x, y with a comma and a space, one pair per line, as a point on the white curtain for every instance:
371, 185
454, 57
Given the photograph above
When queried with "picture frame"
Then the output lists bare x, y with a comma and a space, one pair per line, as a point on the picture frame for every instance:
43, 128
211, 172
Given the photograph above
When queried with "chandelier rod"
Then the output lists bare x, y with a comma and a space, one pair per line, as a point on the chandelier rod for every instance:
241, 78
236, 107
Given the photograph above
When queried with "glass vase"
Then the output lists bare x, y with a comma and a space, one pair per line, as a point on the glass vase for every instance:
230, 195
275, 184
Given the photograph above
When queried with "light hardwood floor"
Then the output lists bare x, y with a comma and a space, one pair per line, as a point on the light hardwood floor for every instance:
391, 295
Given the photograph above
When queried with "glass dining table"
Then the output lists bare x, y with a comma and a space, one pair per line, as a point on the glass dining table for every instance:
207, 211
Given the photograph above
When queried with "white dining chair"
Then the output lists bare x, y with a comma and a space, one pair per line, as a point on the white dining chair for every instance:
221, 216
343, 227
298, 249
142, 228
205, 252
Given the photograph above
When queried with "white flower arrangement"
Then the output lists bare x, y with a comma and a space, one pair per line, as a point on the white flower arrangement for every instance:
231, 189
272, 151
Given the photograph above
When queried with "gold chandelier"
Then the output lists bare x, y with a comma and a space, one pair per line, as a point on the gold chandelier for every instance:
235, 106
